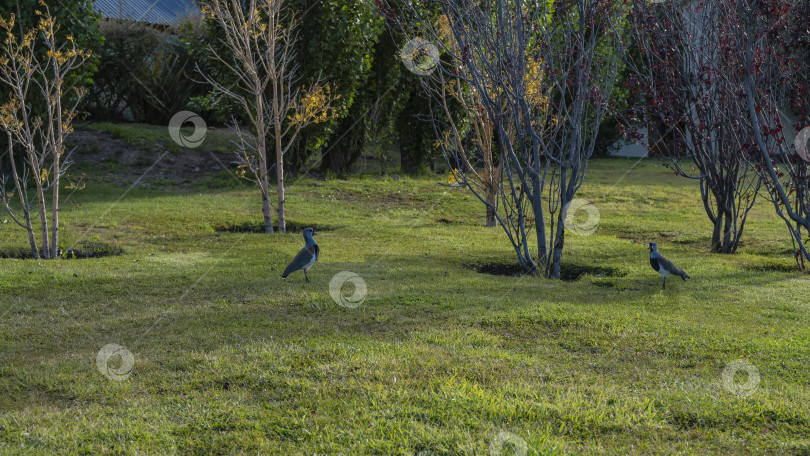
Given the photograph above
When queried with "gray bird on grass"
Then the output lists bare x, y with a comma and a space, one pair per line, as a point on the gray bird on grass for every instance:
664, 266
306, 257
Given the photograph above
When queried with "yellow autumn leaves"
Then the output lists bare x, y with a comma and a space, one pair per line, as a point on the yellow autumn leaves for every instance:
253, 24
63, 57
19, 62
8, 118
533, 87
207, 11
314, 106
48, 27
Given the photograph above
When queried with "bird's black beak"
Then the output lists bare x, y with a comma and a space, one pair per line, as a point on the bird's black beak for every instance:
314, 233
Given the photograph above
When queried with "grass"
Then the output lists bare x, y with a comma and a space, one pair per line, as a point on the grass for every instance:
438, 360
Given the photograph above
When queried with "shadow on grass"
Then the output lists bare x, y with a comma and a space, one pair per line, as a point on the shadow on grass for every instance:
87, 250
569, 272
258, 227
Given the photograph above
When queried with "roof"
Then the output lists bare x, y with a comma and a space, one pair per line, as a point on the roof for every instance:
166, 12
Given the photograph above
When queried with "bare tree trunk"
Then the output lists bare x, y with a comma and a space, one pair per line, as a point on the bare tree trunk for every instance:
282, 222
32, 240
55, 216
706, 199
492, 200
278, 90
717, 222
57, 155
559, 242
43, 217
267, 212
55, 206
264, 184
539, 225
558, 239
727, 246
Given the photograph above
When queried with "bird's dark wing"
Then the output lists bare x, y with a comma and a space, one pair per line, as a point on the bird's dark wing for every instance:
300, 260
666, 264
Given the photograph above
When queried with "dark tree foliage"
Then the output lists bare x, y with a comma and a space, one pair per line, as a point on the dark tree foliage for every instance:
337, 43
416, 134
370, 119
143, 70
75, 17
125, 50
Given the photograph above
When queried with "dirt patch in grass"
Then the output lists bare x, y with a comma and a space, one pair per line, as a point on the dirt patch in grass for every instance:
686, 240
157, 162
378, 199
568, 272
74, 253
258, 227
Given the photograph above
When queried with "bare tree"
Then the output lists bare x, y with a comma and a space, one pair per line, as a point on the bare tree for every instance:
37, 119
575, 46
261, 63
690, 80
474, 160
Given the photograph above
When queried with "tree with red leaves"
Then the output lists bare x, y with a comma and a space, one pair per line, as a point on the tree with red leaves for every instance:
688, 74
772, 37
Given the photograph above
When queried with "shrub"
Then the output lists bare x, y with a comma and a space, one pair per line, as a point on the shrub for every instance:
143, 74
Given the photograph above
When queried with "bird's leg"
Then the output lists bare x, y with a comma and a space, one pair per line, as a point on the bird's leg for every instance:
305, 275
665, 284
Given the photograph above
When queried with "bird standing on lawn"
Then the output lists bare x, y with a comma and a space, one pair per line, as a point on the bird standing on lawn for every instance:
664, 266
306, 257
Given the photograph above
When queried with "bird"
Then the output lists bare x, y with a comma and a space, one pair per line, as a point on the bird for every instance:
306, 257
664, 266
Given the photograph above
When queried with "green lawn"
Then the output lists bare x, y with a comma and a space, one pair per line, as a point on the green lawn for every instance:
438, 360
